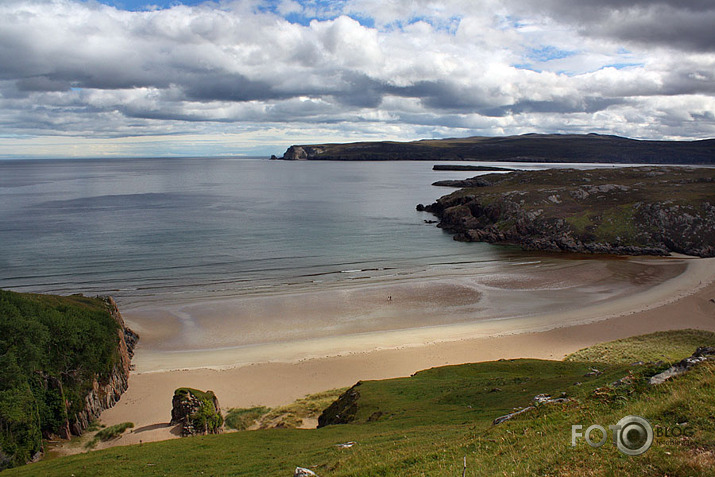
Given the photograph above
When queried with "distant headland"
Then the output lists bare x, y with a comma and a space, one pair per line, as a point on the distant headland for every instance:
591, 148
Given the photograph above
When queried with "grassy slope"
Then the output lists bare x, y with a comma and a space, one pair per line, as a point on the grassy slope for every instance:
682, 186
431, 421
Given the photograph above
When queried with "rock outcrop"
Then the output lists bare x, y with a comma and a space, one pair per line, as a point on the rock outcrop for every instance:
198, 412
628, 211
303, 153
303, 472
343, 410
702, 354
539, 400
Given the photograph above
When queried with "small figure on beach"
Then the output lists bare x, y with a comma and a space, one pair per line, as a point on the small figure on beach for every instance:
389, 298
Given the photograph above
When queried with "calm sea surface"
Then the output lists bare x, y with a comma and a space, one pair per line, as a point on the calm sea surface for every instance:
155, 230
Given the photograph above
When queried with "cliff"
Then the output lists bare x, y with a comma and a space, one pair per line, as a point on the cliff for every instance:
63, 360
525, 148
633, 211
106, 390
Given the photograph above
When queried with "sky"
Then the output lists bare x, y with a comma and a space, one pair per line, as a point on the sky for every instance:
96, 78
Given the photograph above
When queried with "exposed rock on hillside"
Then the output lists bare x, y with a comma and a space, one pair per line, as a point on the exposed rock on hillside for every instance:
632, 211
701, 355
302, 153
343, 410
198, 412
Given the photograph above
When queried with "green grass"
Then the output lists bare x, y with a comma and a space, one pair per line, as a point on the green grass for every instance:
290, 416
667, 346
109, 433
241, 419
429, 422
618, 224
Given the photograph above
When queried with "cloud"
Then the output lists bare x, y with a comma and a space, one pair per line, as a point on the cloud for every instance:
80, 69
678, 24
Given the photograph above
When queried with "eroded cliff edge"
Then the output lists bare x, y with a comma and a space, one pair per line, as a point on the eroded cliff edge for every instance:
632, 210
106, 390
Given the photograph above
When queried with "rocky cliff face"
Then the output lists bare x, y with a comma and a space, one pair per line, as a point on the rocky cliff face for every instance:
632, 211
303, 153
106, 391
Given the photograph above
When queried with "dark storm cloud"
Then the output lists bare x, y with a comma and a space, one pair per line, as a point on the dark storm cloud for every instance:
227, 87
681, 24
446, 95
42, 83
359, 90
560, 106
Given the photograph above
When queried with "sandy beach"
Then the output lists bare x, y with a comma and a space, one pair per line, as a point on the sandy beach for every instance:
678, 296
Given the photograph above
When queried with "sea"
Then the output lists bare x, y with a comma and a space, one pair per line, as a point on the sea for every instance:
181, 229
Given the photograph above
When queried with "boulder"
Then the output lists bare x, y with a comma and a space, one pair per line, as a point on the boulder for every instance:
303, 472
198, 412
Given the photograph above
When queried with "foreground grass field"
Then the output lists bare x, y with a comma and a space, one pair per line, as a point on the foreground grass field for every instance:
427, 424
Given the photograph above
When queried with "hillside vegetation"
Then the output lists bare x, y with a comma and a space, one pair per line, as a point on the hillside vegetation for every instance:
51, 351
629, 210
428, 424
526, 148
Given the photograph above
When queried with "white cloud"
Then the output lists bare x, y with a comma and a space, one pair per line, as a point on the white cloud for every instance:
70, 68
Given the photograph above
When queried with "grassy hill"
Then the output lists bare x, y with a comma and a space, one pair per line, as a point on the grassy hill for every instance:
525, 148
428, 423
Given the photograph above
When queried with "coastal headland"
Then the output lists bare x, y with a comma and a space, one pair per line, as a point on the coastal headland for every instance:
594, 148
629, 210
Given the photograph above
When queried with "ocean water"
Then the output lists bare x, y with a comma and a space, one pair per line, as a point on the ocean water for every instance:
158, 230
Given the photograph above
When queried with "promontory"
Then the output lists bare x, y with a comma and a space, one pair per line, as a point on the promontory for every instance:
525, 148
630, 210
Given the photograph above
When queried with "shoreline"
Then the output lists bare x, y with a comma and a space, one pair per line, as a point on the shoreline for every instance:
147, 402
525, 302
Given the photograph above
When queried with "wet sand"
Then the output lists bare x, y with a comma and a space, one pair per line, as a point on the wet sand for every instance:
288, 327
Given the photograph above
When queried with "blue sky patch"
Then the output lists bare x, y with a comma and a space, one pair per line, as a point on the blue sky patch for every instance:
549, 53
140, 5
620, 66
